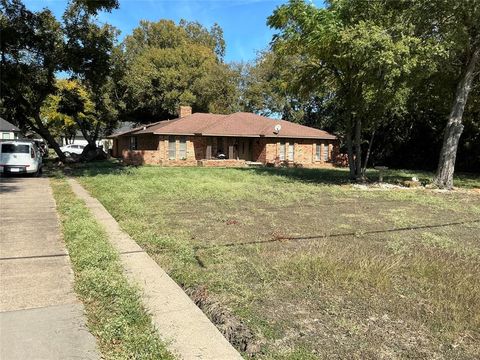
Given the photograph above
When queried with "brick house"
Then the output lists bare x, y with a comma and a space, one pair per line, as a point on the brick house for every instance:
225, 140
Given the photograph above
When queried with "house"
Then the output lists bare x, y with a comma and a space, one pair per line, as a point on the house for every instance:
8, 130
76, 138
225, 140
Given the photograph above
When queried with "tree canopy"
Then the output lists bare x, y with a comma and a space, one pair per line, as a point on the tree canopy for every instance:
166, 65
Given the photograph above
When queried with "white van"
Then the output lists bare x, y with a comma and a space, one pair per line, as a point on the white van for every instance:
20, 157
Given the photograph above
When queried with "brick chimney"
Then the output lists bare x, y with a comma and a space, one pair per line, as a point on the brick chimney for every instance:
184, 111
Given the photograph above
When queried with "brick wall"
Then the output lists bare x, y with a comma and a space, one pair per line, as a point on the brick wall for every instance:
154, 150
304, 152
141, 157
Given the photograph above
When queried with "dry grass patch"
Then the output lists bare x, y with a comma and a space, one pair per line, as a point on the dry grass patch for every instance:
313, 268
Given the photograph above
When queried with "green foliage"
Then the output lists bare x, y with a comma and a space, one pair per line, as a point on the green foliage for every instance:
69, 106
35, 46
31, 44
365, 56
166, 65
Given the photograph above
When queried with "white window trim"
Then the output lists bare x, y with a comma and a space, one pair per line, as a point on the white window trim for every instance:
291, 146
282, 154
326, 153
174, 148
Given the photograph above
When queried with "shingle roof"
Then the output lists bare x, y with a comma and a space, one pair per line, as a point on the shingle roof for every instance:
240, 124
6, 126
135, 130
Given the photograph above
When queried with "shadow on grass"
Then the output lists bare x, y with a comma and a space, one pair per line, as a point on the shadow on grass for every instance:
334, 176
89, 169
325, 176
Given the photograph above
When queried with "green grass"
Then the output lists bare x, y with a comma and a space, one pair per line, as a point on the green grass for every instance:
114, 312
369, 293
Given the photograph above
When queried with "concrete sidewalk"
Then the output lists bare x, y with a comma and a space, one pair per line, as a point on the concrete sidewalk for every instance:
187, 330
40, 316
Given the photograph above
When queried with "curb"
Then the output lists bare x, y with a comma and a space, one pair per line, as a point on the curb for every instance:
186, 330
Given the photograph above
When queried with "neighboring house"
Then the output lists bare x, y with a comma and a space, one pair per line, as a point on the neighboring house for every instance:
8, 130
79, 139
225, 140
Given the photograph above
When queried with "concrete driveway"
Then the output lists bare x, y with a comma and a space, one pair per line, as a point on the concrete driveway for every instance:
40, 316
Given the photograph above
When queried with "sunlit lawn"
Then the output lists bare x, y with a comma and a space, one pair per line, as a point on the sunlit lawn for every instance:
314, 267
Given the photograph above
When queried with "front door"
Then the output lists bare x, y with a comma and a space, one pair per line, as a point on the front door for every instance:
245, 149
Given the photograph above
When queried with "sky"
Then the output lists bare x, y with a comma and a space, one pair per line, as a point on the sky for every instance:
243, 21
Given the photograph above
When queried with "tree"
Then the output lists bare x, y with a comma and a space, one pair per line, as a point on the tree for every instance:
166, 65
60, 115
35, 47
272, 88
359, 50
456, 25
87, 56
31, 45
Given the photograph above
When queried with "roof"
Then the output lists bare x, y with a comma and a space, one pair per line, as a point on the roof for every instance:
135, 130
240, 124
125, 126
6, 126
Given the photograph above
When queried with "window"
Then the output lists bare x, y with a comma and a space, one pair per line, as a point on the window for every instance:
5, 136
318, 148
282, 151
133, 143
182, 148
172, 148
325, 152
291, 152
15, 149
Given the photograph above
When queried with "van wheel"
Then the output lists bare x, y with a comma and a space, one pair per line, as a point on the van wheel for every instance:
67, 154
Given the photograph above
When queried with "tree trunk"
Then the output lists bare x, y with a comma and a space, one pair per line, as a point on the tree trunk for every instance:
358, 150
40, 128
364, 169
454, 128
351, 158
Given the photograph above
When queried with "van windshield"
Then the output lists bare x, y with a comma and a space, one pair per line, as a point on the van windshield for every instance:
15, 149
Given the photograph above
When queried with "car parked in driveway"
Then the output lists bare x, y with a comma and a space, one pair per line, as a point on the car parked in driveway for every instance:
72, 149
20, 157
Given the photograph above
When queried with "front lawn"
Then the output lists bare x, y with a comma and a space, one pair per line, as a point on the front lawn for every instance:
311, 266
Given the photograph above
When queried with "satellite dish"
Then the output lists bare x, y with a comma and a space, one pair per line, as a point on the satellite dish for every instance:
277, 128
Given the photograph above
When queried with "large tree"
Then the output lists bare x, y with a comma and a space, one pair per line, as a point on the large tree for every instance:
167, 64
31, 46
456, 26
88, 58
35, 47
359, 50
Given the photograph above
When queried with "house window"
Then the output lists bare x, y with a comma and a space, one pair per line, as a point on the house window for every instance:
325, 152
182, 148
318, 149
5, 136
282, 151
172, 148
133, 143
291, 152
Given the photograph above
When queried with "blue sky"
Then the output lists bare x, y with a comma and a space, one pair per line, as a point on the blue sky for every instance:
243, 21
